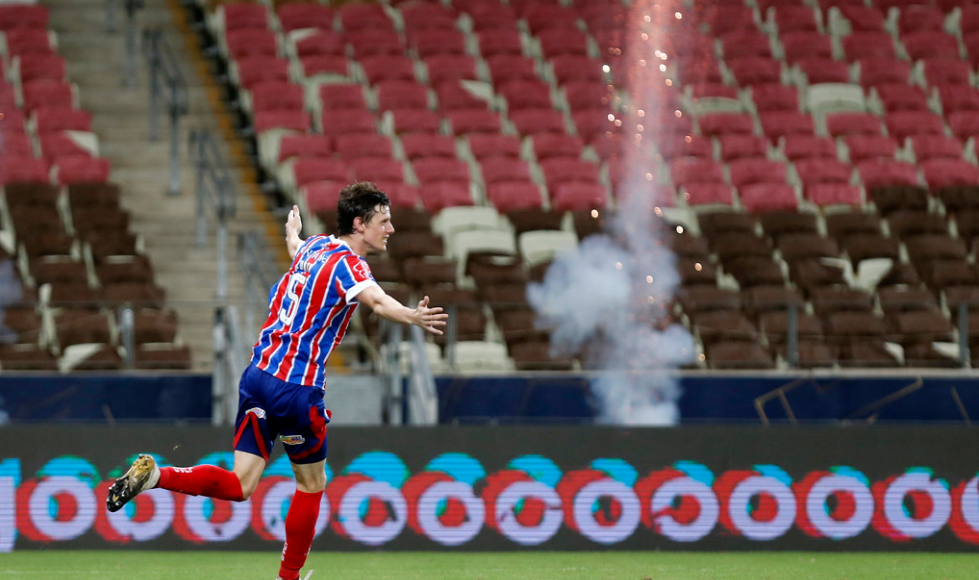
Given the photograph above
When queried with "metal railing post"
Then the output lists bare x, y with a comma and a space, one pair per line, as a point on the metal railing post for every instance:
218, 376
394, 396
965, 357
792, 340
222, 290
174, 140
154, 61
127, 335
197, 157
129, 78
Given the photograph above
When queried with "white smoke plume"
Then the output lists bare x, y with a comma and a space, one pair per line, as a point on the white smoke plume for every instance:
609, 299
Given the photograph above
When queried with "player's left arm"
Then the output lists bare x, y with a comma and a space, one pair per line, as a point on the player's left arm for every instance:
294, 225
430, 319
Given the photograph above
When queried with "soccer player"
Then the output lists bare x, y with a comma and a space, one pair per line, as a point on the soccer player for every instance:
281, 392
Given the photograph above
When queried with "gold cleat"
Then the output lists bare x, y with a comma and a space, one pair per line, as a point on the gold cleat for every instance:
143, 475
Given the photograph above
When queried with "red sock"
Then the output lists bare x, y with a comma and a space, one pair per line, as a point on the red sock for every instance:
300, 528
206, 480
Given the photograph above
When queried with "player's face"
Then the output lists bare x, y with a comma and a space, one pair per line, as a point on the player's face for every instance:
378, 229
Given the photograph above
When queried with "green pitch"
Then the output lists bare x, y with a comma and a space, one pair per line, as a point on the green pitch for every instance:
130, 565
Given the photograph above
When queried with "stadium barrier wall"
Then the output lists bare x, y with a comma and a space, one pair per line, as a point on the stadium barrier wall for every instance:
547, 397
505, 488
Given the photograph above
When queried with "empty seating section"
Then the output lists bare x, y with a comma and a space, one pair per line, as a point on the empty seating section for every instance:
821, 157
72, 270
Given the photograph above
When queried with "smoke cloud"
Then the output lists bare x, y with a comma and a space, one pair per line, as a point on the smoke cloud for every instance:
609, 299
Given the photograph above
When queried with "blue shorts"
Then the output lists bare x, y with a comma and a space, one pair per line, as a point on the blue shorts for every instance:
269, 409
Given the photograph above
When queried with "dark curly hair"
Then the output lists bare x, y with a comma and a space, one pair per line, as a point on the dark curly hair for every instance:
358, 200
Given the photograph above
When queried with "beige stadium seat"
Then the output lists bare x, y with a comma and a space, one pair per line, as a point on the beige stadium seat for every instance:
540, 246
475, 356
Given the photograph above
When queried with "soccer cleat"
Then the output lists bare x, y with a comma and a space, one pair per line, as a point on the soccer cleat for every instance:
310, 573
143, 475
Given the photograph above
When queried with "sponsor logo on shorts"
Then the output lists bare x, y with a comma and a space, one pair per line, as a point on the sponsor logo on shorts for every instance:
259, 412
292, 439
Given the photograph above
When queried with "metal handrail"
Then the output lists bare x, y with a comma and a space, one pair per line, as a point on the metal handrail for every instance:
257, 266
165, 68
229, 364
213, 184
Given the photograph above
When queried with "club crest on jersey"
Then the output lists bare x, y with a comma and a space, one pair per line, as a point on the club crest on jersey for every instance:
292, 439
258, 411
362, 269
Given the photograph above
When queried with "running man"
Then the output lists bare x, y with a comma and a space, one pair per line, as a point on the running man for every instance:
281, 393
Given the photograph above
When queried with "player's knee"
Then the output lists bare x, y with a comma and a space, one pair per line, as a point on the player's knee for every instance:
247, 489
312, 484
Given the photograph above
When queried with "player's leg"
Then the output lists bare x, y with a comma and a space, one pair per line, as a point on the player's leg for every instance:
253, 443
301, 518
305, 442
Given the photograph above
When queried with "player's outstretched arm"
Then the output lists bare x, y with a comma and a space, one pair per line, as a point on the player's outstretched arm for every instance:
430, 319
294, 225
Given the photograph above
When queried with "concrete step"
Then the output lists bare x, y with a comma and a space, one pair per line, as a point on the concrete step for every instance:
96, 61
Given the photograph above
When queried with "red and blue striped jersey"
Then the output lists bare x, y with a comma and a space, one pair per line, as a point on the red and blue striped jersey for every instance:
309, 310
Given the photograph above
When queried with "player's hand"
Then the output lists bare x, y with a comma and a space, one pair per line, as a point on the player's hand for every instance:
430, 319
294, 223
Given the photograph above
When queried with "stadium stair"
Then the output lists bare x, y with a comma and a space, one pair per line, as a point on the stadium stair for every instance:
120, 115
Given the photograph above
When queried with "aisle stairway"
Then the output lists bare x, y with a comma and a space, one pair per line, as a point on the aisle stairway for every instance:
96, 60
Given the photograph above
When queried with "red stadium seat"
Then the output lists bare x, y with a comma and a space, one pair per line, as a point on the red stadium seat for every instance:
324, 64
834, 194
879, 173
296, 15
947, 172
310, 170
466, 121
377, 170
296, 120
708, 193
901, 97
511, 67
237, 15
82, 169
797, 147
798, 45
862, 147
822, 170
307, 145
484, 146
387, 67
778, 124
508, 196
904, 124
323, 42
439, 195
256, 69
843, 124
526, 94
439, 169
336, 122
765, 197
449, 67
750, 171
46, 120
775, 97
417, 145
884, 70
726, 124
359, 146
401, 94
578, 196
342, 96
248, 42
437, 41
530, 121
23, 169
